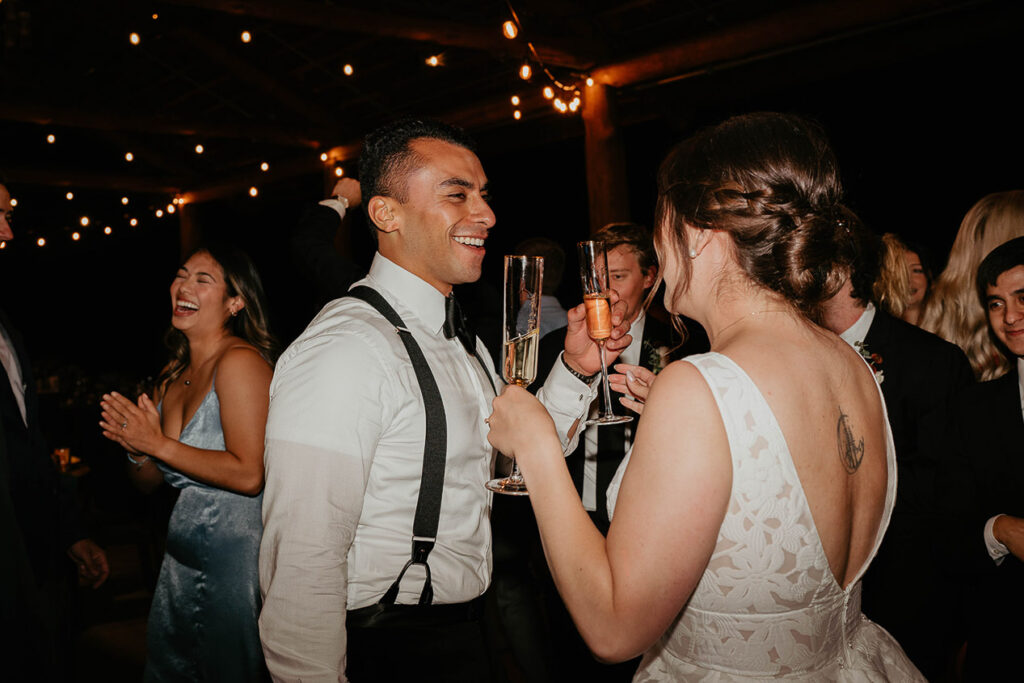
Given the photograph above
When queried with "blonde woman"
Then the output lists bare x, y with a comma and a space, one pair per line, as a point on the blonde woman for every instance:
953, 311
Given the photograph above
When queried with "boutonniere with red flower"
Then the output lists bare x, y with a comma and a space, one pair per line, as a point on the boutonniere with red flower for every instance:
873, 359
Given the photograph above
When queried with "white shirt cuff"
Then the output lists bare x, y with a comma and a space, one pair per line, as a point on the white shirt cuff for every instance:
567, 399
339, 205
996, 550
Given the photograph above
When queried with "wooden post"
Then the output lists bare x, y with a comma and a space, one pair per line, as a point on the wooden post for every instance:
605, 158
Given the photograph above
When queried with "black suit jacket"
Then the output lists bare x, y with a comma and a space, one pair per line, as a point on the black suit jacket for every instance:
45, 511
987, 440
903, 587
614, 440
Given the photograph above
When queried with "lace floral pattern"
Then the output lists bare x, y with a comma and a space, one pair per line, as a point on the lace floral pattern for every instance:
767, 605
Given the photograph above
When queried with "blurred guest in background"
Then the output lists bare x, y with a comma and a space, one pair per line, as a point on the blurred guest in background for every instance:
202, 432
552, 313
891, 289
45, 524
921, 273
953, 311
988, 430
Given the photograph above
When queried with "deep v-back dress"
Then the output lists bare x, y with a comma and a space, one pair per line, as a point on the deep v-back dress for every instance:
202, 624
768, 605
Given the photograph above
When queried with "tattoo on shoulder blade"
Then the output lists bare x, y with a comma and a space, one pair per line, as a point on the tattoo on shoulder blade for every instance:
851, 449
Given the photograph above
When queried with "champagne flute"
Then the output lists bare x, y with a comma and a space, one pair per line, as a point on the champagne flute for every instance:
594, 277
521, 339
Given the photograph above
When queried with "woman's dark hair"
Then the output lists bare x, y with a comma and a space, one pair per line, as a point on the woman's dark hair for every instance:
250, 324
772, 182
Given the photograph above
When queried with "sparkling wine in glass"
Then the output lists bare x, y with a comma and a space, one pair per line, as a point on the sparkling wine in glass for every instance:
521, 339
594, 277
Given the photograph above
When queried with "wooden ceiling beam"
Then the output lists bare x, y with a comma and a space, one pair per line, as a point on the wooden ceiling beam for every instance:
789, 30
117, 121
392, 25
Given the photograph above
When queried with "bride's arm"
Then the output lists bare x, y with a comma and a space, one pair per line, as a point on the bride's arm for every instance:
243, 390
624, 591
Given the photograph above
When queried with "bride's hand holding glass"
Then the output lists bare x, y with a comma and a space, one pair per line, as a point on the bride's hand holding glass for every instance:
634, 383
520, 426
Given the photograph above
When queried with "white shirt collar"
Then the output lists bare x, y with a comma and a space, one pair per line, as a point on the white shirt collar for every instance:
857, 331
414, 293
631, 354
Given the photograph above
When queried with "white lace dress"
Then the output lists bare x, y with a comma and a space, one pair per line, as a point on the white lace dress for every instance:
768, 606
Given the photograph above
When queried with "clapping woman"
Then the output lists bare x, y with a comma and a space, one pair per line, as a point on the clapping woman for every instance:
202, 432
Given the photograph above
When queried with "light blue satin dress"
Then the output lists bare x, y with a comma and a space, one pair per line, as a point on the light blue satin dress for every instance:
202, 624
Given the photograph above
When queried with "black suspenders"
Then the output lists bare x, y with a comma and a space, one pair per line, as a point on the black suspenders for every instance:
435, 446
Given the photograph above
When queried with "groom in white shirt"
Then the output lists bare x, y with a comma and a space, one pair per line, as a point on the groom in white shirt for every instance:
345, 448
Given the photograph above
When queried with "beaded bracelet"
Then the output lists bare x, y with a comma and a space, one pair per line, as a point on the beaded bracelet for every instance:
586, 379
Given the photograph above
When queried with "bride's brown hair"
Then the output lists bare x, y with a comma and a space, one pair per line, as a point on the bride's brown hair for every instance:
771, 181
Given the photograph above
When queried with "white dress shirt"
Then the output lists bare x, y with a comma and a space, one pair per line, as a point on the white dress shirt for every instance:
631, 355
13, 368
996, 550
344, 451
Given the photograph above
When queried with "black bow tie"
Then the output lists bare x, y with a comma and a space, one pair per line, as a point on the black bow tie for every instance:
455, 324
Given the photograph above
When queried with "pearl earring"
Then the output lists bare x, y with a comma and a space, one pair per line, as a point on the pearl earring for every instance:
693, 253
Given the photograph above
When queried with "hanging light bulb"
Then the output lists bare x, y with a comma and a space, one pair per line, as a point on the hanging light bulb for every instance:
128, 156
525, 71
253, 191
548, 92
134, 39
133, 222
107, 230
347, 69
51, 138
14, 202
323, 156
84, 221
159, 213
574, 105
590, 82
3, 245
433, 60
70, 196
75, 236
171, 208
515, 100
199, 149
339, 171
517, 114
264, 166
246, 36
510, 29
41, 241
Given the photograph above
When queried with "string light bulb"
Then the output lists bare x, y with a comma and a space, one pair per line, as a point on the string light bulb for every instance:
264, 167
510, 29
133, 222
347, 69
3, 245
199, 149
84, 221
246, 36
155, 16
171, 208
107, 230
574, 105
433, 60
323, 156
525, 71
159, 213
339, 171
75, 236
133, 38
253, 191
51, 138
515, 100
129, 157
517, 114
124, 200
41, 241
14, 202
548, 92
70, 196
590, 82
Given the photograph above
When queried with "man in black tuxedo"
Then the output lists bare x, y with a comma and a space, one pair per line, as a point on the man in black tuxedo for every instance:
45, 513
987, 437
905, 587
558, 652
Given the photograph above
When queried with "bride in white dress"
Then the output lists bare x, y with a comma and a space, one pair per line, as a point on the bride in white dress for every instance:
762, 475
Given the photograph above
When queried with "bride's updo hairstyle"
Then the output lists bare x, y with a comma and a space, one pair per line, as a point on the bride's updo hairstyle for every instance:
770, 181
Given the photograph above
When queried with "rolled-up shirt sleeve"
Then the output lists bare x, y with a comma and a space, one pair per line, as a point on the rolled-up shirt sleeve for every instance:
329, 404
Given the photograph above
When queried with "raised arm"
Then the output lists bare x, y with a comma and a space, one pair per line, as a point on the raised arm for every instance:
330, 401
624, 592
242, 384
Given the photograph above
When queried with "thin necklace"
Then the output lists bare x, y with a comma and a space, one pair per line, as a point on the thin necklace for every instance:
750, 315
